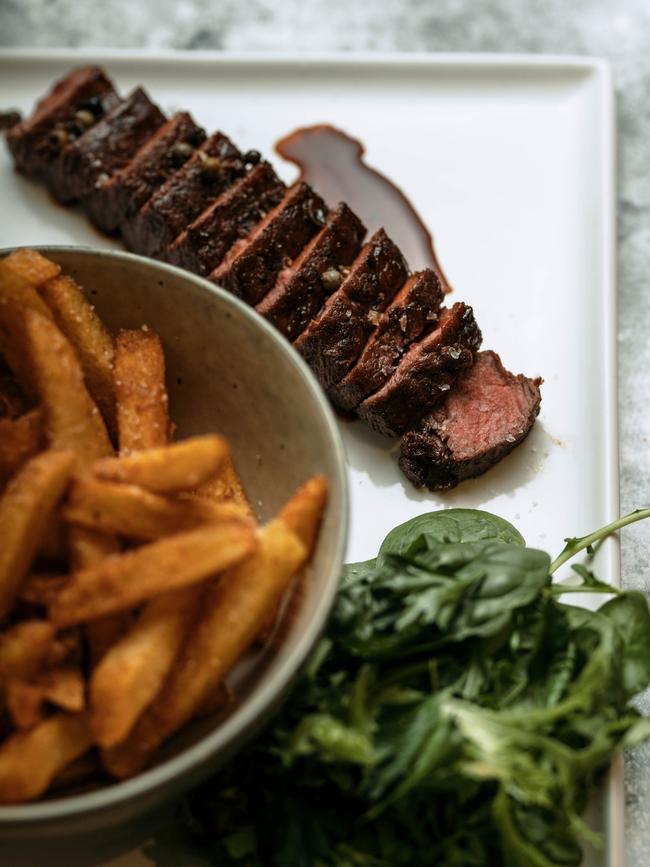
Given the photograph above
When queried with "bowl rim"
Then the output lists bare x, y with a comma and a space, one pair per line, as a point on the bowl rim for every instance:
234, 731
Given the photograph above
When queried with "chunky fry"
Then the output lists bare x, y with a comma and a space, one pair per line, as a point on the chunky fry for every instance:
304, 511
124, 580
87, 549
24, 704
232, 613
87, 333
142, 418
302, 514
225, 487
30, 760
177, 467
32, 266
20, 438
25, 509
135, 513
64, 687
26, 700
17, 296
24, 649
132, 672
72, 420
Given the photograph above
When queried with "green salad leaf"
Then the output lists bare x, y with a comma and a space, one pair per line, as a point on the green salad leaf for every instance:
458, 712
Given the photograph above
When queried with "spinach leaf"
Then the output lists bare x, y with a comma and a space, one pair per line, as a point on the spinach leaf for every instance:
629, 613
447, 526
443, 594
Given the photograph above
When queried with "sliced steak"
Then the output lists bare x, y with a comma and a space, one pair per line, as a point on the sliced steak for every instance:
75, 103
425, 373
333, 341
188, 192
105, 148
202, 246
164, 153
412, 312
252, 265
486, 415
301, 289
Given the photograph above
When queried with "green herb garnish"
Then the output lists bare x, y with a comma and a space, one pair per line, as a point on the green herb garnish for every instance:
457, 713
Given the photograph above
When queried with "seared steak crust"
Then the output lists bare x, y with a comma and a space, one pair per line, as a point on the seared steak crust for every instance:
202, 246
332, 342
106, 147
37, 141
301, 288
209, 171
163, 154
488, 413
425, 373
252, 265
412, 312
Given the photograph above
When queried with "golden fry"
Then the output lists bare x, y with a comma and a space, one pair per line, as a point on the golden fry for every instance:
64, 687
24, 704
20, 438
132, 672
89, 548
142, 419
16, 297
25, 509
72, 420
30, 760
163, 470
24, 648
124, 580
302, 514
232, 613
135, 513
32, 266
304, 511
87, 333
225, 487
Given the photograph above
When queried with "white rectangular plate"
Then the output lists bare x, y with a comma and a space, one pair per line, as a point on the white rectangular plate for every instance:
510, 161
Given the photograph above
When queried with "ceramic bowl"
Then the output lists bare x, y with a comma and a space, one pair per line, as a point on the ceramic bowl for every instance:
231, 372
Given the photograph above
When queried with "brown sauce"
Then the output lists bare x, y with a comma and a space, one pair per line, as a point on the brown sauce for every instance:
332, 162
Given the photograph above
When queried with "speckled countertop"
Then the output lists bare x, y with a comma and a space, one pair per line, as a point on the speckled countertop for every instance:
618, 31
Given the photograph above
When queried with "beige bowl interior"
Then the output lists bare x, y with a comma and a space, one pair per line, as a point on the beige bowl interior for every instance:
227, 371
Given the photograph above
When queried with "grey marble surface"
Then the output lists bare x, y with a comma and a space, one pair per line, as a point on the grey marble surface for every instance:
619, 31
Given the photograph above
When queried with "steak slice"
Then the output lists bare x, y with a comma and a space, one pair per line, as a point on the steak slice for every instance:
412, 312
202, 246
252, 265
333, 341
486, 415
188, 192
163, 154
37, 141
302, 288
425, 373
105, 148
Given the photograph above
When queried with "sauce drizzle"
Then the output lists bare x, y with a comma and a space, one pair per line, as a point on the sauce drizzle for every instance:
332, 162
